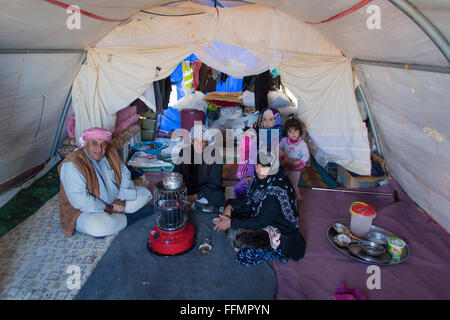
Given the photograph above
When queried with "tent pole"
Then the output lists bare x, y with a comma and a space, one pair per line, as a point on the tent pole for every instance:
41, 51
61, 122
420, 67
63, 116
430, 29
370, 118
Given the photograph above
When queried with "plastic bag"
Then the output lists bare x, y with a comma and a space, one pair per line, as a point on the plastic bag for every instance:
248, 98
193, 101
277, 99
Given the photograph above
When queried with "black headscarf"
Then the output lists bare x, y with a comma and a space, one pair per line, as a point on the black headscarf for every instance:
277, 185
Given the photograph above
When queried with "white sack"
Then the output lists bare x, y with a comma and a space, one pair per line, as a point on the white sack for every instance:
248, 98
193, 101
277, 99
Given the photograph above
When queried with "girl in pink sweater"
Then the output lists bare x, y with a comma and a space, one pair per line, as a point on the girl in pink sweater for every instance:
294, 152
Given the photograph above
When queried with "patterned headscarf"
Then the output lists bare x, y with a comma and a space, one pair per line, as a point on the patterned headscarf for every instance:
94, 133
276, 185
277, 116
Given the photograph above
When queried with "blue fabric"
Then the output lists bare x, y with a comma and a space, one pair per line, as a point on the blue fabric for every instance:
170, 120
231, 85
251, 256
176, 77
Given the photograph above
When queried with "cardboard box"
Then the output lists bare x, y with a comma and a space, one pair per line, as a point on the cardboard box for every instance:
347, 180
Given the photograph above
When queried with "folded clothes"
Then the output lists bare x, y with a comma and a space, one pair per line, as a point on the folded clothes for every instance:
224, 104
143, 160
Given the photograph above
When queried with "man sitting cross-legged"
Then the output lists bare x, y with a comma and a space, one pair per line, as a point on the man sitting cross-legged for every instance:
96, 189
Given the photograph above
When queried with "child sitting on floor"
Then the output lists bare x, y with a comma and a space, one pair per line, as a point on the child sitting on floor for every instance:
294, 152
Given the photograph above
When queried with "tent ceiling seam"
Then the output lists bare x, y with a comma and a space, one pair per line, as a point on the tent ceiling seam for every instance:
343, 13
85, 13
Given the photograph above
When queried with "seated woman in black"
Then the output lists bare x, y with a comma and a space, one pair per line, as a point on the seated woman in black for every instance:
202, 180
266, 216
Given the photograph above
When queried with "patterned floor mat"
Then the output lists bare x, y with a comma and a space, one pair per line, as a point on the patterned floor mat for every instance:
29, 200
315, 176
38, 262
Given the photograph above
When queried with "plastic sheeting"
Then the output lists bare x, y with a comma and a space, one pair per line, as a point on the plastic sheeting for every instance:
170, 120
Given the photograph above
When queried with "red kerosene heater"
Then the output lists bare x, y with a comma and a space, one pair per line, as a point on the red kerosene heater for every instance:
172, 234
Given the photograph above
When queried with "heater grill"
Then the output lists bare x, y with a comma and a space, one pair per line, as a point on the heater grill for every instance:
171, 207
172, 234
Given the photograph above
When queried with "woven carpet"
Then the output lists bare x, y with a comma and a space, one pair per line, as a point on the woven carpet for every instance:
35, 257
315, 176
29, 200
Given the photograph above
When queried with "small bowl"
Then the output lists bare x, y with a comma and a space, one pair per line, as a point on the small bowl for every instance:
377, 237
371, 248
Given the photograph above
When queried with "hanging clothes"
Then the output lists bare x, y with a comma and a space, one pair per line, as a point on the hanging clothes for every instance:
248, 83
206, 83
176, 76
188, 75
260, 85
163, 88
276, 80
263, 82
196, 65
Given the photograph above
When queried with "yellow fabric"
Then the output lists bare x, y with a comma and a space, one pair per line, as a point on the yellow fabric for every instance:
188, 75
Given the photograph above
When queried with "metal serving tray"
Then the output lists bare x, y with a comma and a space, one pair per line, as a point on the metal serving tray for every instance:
360, 256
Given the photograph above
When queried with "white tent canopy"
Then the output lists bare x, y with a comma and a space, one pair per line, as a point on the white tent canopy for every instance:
122, 66
409, 107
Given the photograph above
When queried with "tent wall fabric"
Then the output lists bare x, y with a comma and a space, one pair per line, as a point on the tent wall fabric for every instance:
398, 39
412, 123
268, 33
115, 77
30, 107
40, 24
329, 108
